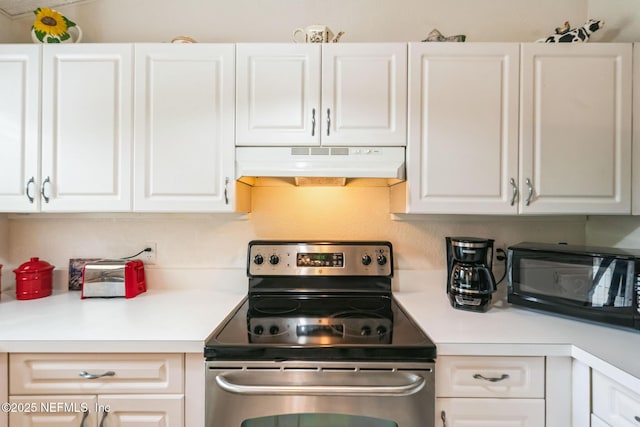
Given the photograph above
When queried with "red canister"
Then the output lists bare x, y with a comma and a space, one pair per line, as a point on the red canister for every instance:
34, 279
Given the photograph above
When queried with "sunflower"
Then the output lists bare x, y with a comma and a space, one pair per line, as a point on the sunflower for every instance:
51, 25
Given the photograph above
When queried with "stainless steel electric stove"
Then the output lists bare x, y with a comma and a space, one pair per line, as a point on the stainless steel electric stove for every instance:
319, 324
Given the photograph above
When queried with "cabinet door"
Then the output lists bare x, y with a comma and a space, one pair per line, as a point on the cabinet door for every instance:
53, 411
4, 388
86, 127
597, 422
576, 128
19, 127
463, 128
154, 410
636, 127
184, 149
278, 94
614, 403
489, 412
364, 94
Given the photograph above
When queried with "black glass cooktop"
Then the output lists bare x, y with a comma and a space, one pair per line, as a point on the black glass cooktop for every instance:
346, 327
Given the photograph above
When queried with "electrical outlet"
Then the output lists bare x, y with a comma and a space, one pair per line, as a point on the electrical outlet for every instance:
150, 257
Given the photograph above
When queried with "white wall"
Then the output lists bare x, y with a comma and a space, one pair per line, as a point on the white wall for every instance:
219, 241
274, 20
5, 29
622, 232
622, 19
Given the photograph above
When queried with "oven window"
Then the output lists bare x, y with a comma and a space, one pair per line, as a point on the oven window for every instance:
317, 420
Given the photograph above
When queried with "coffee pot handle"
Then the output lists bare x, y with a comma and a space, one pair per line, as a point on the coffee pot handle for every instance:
296, 32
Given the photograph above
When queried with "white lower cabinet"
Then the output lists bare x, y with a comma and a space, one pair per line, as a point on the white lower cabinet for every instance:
106, 390
490, 391
4, 394
613, 404
597, 422
467, 412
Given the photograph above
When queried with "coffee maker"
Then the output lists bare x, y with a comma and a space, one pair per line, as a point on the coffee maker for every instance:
470, 281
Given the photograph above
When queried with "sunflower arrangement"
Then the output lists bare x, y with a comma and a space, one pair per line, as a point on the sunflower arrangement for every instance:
51, 26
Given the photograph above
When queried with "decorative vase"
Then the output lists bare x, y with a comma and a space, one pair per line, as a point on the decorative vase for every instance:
50, 26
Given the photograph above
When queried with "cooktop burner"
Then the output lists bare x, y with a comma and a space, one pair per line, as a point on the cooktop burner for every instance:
319, 301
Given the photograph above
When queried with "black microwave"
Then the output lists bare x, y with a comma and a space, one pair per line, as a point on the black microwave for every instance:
592, 283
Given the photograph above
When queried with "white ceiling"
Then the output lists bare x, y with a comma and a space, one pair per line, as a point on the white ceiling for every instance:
20, 7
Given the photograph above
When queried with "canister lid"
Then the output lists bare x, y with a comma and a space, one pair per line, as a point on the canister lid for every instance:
34, 265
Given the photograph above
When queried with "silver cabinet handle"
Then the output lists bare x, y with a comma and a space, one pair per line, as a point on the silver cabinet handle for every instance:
226, 193
530, 195
88, 376
328, 121
313, 122
84, 418
491, 379
28, 187
443, 417
313, 390
46, 181
104, 416
514, 189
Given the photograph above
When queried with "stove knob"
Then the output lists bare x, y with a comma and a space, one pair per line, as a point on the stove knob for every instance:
366, 259
365, 331
258, 259
381, 330
258, 330
273, 330
382, 260
274, 259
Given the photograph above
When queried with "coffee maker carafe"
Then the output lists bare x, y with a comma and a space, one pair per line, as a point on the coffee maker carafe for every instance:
470, 281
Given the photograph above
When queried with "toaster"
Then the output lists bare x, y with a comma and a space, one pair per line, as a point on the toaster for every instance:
113, 278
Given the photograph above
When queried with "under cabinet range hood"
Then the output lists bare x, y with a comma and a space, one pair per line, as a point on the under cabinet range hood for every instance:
321, 165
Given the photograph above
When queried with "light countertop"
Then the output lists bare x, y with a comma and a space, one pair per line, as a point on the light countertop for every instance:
179, 320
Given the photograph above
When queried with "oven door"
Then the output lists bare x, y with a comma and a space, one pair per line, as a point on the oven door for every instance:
313, 395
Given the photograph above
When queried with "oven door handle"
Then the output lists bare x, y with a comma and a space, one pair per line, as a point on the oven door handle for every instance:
412, 387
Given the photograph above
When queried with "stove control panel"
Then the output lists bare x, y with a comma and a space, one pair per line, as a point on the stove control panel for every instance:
277, 258
301, 331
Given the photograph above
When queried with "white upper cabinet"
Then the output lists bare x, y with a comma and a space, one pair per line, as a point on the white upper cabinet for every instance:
575, 118
636, 126
463, 129
330, 94
570, 152
19, 128
86, 127
278, 94
184, 116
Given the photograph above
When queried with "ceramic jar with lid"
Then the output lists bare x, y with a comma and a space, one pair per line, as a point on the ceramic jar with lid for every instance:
34, 279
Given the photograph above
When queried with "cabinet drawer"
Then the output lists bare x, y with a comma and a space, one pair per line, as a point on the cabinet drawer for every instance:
461, 412
470, 376
41, 373
614, 403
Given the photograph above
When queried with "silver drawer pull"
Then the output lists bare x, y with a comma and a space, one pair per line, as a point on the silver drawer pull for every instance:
88, 376
530, 193
29, 183
491, 379
514, 194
